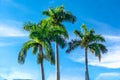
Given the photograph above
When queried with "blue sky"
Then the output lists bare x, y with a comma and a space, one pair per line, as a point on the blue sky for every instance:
101, 15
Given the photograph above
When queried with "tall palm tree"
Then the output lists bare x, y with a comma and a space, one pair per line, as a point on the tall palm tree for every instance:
55, 17
89, 41
39, 43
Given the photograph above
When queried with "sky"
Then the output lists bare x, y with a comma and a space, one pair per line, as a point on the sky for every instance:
101, 15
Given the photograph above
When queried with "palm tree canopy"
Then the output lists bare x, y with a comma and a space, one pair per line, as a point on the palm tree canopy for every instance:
38, 37
54, 21
59, 15
88, 38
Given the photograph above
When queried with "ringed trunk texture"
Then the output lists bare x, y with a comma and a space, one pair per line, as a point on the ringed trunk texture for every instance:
57, 63
86, 65
42, 66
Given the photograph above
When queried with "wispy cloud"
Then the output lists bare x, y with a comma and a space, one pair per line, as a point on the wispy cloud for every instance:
69, 73
112, 38
17, 74
108, 76
65, 77
11, 29
5, 44
6, 31
12, 3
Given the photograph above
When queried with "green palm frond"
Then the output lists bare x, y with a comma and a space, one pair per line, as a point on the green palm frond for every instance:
68, 16
29, 26
59, 15
99, 38
102, 48
72, 45
49, 52
45, 22
35, 49
23, 51
84, 28
94, 48
54, 29
59, 30
59, 8
78, 33
97, 48
50, 12
60, 40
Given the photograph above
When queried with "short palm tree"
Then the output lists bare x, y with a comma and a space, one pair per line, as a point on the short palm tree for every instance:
89, 41
56, 17
39, 43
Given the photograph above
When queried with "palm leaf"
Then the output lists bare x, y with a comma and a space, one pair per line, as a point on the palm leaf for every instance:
78, 33
29, 26
97, 48
72, 45
23, 51
49, 52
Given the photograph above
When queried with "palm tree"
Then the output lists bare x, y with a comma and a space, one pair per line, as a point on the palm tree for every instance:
56, 17
89, 41
38, 42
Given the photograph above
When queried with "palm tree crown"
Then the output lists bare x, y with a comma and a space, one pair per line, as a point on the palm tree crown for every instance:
88, 39
59, 15
36, 39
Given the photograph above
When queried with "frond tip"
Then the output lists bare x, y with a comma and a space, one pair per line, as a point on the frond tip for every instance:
21, 57
72, 45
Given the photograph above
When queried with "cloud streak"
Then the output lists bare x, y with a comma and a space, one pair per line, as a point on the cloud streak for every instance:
12, 3
108, 76
15, 73
112, 38
65, 77
8, 29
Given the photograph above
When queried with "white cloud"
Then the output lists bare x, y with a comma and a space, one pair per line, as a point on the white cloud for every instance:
65, 77
108, 76
112, 38
109, 60
5, 44
15, 73
12, 3
11, 29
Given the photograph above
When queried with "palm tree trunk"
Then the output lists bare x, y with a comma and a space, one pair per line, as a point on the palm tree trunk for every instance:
86, 65
42, 66
57, 63
42, 71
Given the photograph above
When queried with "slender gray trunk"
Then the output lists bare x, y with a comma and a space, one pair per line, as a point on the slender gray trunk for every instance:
86, 65
42, 66
57, 63
42, 71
